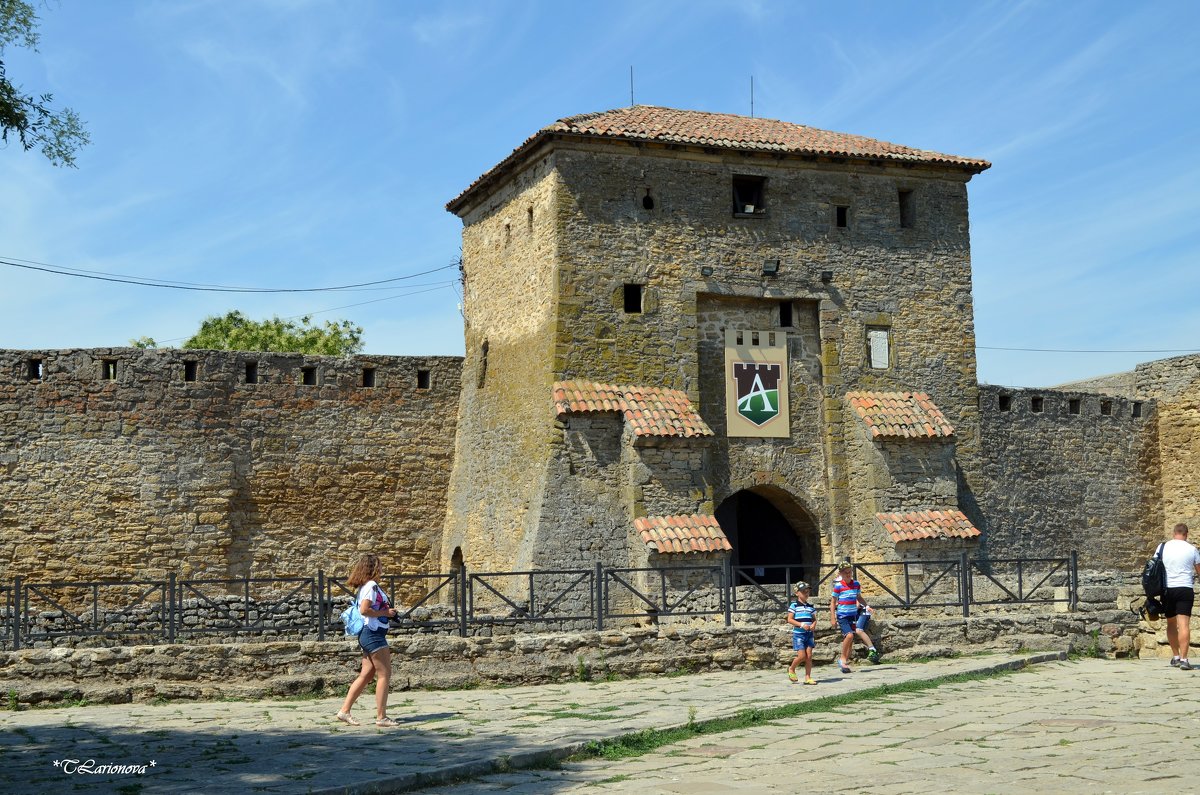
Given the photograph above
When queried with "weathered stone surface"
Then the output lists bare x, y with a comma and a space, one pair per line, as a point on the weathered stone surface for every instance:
146, 474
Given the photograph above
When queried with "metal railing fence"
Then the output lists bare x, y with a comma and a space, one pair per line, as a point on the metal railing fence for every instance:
171, 609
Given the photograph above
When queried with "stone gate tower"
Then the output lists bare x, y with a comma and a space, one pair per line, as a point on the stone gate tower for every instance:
620, 267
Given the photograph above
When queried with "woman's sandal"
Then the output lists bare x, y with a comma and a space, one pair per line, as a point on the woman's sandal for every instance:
387, 722
347, 718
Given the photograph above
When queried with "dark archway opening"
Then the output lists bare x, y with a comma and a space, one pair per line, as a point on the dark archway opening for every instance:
769, 532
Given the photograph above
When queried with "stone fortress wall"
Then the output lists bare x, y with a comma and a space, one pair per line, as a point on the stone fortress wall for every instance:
127, 463
1067, 470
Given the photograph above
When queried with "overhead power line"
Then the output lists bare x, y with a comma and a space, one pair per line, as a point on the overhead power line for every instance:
209, 288
1088, 350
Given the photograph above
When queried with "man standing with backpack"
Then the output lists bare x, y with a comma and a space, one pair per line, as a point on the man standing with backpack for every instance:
1182, 562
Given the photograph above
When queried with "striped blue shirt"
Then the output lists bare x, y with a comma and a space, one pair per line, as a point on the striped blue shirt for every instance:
846, 594
805, 613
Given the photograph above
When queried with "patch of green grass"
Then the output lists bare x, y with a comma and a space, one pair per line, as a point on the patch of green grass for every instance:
610, 780
14, 701
643, 742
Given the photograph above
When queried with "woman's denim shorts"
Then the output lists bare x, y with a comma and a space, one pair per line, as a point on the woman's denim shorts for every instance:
372, 640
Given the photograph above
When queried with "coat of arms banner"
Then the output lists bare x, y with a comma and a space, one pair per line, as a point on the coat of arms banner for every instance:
756, 379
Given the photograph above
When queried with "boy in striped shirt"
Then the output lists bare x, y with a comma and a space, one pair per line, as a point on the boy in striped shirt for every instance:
843, 612
802, 615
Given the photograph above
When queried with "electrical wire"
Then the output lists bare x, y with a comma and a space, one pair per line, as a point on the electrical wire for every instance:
197, 287
441, 286
1085, 350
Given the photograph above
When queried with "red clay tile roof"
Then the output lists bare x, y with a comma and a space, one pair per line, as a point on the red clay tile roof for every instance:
689, 533
723, 130
924, 525
900, 414
649, 411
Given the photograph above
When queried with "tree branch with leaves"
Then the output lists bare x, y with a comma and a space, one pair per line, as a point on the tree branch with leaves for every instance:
31, 118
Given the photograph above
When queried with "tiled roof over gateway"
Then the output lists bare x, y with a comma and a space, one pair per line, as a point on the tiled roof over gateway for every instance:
650, 123
688, 533
925, 525
900, 414
648, 410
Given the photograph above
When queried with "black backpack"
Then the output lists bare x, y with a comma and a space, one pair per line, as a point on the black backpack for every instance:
1154, 576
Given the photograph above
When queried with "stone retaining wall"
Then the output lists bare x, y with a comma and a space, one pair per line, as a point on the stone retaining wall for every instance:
141, 673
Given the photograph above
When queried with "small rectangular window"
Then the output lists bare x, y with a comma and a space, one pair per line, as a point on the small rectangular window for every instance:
308, 376
1106, 408
189, 371
1004, 402
1073, 406
633, 299
785, 314
33, 369
748, 195
908, 209
879, 348
422, 379
108, 369
251, 372
1137, 410
1037, 404
368, 377
841, 216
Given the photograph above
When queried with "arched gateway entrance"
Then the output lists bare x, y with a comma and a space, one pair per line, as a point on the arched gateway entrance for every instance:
769, 529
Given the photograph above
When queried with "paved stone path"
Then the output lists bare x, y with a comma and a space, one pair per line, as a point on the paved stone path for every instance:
1116, 722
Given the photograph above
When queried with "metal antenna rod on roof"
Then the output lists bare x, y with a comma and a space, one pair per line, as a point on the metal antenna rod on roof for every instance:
752, 96
631, 85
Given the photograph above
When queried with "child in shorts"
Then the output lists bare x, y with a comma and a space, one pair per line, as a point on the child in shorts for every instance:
802, 616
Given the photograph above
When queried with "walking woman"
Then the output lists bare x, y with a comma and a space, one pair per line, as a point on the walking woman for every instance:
376, 608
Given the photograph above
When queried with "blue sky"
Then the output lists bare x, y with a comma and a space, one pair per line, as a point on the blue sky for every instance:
304, 143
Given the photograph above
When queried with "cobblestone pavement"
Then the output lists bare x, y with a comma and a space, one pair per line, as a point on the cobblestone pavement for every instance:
1116, 723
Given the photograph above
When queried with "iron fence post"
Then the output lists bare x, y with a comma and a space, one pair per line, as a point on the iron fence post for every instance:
964, 583
728, 591
320, 604
171, 607
1074, 581
16, 616
462, 600
599, 596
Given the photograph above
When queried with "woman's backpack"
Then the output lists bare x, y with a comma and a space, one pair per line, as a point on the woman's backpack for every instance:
353, 620
1154, 575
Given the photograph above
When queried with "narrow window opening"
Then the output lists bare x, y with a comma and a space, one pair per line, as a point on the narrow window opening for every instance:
34, 369
908, 209
422, 379
1073, 406
1137, 410
879, 348
189, 371
842, 216
741, 338
108, 369
507, 233
748, 195
308, 376
647, 201
1106, 408
1004, 403
481, 379
785, 314
251, 372
1037, 404
754, 338
368, 377
633, 299
529, 218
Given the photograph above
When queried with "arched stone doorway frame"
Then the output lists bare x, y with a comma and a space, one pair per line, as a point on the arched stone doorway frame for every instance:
808, 525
